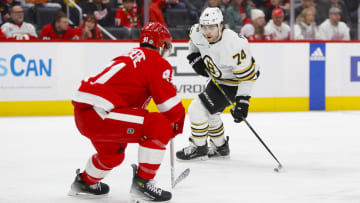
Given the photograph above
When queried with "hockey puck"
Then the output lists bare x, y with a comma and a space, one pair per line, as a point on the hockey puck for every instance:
277, 169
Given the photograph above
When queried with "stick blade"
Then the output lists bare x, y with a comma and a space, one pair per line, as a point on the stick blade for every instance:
181, 177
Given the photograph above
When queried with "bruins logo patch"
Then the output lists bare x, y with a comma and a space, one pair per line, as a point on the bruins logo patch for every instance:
213, 69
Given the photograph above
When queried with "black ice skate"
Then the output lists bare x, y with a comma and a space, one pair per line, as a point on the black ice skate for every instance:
193, 152
145, 191
80, 188
219, 152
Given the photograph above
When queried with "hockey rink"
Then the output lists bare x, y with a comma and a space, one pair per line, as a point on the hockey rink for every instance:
320, 152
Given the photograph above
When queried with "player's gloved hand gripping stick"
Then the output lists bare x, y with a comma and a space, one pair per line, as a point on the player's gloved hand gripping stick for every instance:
240, 114
241, 109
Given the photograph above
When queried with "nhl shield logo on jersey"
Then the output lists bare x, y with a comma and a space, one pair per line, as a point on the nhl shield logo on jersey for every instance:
213, 69
130, 131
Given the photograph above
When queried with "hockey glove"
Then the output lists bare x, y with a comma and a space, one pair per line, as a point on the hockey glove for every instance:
197, 63
241, 108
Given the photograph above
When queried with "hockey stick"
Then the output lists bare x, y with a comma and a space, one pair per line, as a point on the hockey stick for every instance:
247, 123
183, 175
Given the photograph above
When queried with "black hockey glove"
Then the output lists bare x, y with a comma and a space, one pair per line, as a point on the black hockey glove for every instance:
241, 108
197, 63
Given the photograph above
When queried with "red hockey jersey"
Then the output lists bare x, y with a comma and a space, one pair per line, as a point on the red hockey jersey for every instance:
131, 81
48, 33
127, 18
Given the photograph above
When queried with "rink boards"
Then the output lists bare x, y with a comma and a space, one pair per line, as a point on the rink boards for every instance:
39, 78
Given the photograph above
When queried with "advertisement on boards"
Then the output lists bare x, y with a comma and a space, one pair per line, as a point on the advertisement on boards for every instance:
27, 72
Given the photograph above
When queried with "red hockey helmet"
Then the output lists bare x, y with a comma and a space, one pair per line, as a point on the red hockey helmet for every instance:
156, 35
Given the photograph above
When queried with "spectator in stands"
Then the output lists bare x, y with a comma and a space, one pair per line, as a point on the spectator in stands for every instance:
101, 10
237, 14
256, 30
127, 16
323, 7
155, 13
305, 27
88, 29
345, 16
4, 13
332, 28
16, 28
276, 29
59, 29
304, 4
283, 4
4, 9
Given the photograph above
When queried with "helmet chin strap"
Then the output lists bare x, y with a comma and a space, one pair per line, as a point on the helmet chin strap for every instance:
220, 30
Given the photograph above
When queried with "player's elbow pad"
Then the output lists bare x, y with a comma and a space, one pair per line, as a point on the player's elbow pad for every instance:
197, 63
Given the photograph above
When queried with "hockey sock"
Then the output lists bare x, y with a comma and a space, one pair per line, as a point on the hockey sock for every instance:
151, 153
199, 132
216, 134
94, 170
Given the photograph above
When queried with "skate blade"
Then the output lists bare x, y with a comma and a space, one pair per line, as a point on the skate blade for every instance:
218, 157
140, 200
201, 158
85, 195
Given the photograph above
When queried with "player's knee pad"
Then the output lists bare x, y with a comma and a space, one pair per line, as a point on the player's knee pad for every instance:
198, 112
158, 127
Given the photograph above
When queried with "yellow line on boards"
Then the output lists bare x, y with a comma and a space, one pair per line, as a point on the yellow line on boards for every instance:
275, 104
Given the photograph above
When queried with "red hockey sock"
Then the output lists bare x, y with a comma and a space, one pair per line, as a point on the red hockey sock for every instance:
95, 170
89, 179
147, 171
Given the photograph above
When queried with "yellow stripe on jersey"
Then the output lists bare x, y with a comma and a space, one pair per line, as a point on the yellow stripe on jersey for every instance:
248, 77
244, 70
231, 81
245, 76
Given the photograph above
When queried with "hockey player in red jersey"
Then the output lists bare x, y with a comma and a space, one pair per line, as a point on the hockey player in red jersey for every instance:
110, 111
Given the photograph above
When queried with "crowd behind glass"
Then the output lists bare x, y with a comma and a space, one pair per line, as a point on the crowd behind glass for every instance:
254, 19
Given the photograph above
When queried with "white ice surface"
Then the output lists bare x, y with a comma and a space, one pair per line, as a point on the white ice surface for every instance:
320, 152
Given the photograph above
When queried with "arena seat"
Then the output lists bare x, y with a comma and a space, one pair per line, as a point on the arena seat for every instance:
45, 15
177, 18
